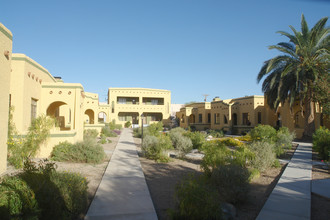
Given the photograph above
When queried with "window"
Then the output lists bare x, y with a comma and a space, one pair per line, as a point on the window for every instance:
225, 121
208, 118
217, 118
246, 119
121, 101
259, 117
200, 118
154, 102
113, 107
234, 119
33, 109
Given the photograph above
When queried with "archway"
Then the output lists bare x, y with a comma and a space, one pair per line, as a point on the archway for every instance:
192, 118
62, 113
90, 114
102, 117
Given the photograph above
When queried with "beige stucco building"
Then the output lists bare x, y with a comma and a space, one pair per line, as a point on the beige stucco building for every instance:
240, 115
6, 38
128, 104
31, 90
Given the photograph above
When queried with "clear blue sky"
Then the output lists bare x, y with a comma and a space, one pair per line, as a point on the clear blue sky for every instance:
187, 46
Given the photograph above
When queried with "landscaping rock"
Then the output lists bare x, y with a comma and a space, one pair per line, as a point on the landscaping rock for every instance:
229, 211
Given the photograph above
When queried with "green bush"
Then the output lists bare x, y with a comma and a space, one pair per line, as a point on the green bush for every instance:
17, 200
128, 124
264, 155
60, 195
216, 133
154, 129
197, 139
215, 154
196, 200
108, 132
230, 142
263, 132
19, 149
90, 133
232, 182
112, 125
87, 151
103, 140
182, 144
321, 142
42, 193
284, 140
155, 147
242, 156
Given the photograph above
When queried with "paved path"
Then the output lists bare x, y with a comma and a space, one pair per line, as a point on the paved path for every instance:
291, 198
123, 192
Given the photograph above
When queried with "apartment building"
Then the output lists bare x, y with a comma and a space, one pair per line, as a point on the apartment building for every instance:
240, 115
137, 104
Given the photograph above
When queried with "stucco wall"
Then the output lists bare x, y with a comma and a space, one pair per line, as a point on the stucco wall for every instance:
140, 107
27, 78
5, 70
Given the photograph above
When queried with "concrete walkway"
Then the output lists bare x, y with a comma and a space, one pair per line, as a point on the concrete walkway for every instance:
291, 198
123, 192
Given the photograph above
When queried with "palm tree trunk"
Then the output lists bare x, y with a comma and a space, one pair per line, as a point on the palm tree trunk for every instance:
309, 128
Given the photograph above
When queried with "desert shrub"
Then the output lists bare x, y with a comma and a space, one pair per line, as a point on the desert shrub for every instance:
103, 139
245, 138
128, 124
90, 133
321, 142
230, 142
232, 182
242, 156
197, 139
19, 149
183, 145
196, 199
63, 151
254, 174
155, 147
216, 133
154, 129
108, 132
112, 125
17, 200
264, 155
137, 132
109, 141
284, 140
263, 132
87, 151
118, 132
60, 195
215, 154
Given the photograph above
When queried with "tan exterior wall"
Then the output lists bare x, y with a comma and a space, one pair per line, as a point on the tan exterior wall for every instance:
5, 72
138, 101
27, 77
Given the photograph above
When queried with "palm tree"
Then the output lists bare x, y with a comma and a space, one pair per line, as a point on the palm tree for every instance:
292, 76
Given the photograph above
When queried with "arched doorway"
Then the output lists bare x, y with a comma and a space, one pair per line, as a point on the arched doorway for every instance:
90, 114
62, 114
102, 117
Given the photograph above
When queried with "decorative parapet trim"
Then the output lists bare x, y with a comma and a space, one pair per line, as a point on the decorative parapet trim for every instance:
63, 86
33, 64
6, 32
91, 97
